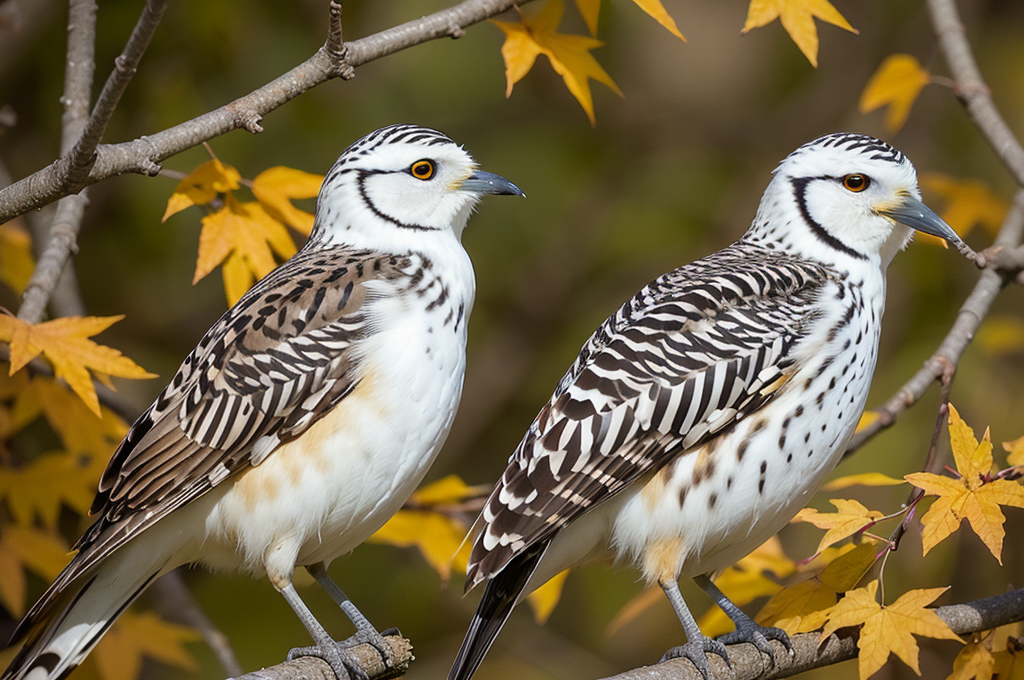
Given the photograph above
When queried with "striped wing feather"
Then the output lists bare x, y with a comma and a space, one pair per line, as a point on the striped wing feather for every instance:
693, 352
273, 365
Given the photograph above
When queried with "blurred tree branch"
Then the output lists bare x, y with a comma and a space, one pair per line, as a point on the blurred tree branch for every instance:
965, 619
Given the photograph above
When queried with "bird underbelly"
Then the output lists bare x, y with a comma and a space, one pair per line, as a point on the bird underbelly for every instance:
713, 505
319, 496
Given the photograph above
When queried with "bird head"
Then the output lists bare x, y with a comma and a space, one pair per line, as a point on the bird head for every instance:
401, 179
846, 195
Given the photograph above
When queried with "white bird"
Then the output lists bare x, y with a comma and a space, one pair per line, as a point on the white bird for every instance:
305, 416
704, 413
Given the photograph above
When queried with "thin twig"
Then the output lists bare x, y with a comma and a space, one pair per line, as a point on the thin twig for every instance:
144, 154
971, 88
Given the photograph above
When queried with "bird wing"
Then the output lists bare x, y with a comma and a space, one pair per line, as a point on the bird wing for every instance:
692, 353
274, 364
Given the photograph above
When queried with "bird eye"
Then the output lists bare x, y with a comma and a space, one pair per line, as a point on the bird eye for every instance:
856, 183
423, 169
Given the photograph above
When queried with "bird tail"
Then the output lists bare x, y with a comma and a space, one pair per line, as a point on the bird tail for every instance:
500, 596
71, 617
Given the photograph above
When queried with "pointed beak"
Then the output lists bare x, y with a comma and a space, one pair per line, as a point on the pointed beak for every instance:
488, 183
916, 215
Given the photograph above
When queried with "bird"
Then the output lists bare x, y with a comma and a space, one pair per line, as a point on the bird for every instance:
705, 412
305, 416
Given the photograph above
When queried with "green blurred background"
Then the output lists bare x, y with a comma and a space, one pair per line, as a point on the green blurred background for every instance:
672, 172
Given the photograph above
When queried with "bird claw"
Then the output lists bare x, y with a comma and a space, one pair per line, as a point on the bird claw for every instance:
759, 637
376, 640
337, 656
696, 651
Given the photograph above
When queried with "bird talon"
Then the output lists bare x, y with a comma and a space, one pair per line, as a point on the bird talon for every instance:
337, 656
696, 651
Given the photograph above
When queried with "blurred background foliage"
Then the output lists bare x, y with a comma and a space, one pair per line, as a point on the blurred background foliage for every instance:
673, 171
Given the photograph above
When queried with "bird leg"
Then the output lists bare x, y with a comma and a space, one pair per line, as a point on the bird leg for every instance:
365, 632
336, 654
697, 644
746, 629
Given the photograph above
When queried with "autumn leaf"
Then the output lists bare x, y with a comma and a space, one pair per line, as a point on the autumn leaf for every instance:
973, 496
26, 548
274, 188
120, 652
65, 343
245, 238
863, 479
801, 608
1008, 648
569, 54
1016, 451
896, 84
16, 260
849, 518
589, 10
42, 487
797, 17
967, 203
867, 419
889, 629
438, 536
543, 600
746, 581
975, 660
201, 186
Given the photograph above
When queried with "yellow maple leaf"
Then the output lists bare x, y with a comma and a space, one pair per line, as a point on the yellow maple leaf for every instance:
438, 536
120, 652
245, 237
797, 17
967, 203
79, 430
16, 260
569, 54
1001, 334
65, 344
863, 479
973, 496
897, 83
589, 10
276, 187
801, 608
975, 660
849, 518
26, 548
42, 487
889, 629
543, 600
1016, 451
1008, 648
201, 186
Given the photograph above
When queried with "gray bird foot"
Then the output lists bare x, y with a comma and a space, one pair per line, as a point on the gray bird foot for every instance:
748, 631
376, 640
696, 650
338, 657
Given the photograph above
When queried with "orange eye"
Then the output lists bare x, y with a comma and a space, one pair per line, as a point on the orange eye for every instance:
423, 169
856, 183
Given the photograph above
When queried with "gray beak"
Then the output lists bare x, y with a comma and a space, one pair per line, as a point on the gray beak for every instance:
916, 215
488, 183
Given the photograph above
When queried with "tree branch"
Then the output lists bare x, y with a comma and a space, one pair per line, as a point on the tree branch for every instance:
145, 153
964, 619
311, 668
971, 88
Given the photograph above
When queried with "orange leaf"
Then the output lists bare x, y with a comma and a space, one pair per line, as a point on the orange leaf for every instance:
247, 237
967, 203
16, 259
797, 17
658, 12
202, 186
65, 344
888, 630
975, 660
569, 54
543, 600
119, 654
589, 10
897, 83
864, 479
1016, 451
274, 189
25, 548
850, 518
46, 484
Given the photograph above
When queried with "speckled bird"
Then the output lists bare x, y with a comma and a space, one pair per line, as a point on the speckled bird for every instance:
305, 416
705, 412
